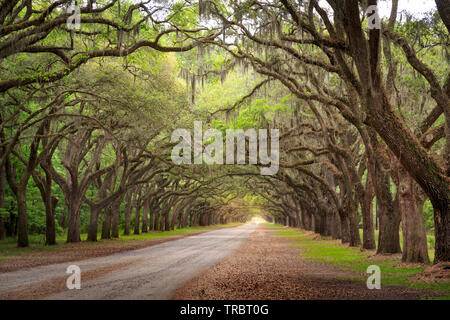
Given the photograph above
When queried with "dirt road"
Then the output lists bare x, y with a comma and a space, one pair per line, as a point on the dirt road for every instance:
149, 273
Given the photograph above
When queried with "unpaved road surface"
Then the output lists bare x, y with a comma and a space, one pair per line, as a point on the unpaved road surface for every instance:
149, 273
66, 252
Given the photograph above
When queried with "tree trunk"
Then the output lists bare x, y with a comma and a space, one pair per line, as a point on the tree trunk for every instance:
323, 225
158, 217
367, 217
161, 221
73, 219
50, 231
355, 239
106, 226
442, 232
156, 213
62, 219
389, 216
45, 189
2, 202
145, 215
308, 220
176, 213
167, 220
413, 227
115, 218
388, 238
128, 206
170, 209
345, 228
11, 231
93, 224
316, 220
193, 219
2, 228
22, 240
336, 226
20, 192
137, 217
152, 209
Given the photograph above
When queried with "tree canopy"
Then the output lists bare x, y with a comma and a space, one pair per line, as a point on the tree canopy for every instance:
363, 116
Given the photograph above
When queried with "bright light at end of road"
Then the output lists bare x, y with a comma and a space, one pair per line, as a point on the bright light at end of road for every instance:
257, 220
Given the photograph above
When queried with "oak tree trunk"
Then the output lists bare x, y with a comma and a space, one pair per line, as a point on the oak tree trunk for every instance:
115, 219
137, 217
50, 231
128, 208
145, 215
413, 227
22, 233
2, 203
441, 232
367, 217
73, 219
106, 225
93, 223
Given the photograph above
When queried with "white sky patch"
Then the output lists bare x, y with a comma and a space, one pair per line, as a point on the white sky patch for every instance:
417, 8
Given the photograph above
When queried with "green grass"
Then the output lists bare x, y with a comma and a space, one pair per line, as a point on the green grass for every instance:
8, 247
430, 242
353, 259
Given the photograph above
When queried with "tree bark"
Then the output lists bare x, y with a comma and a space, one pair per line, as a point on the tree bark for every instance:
2, 202
50, 230
73, 218
443, 7
115, 218
106, 225
345, 228
355, 239
137, 217
413, 227
388, 238
93, 223
336, 226
22, 240
145, 215
157, 217
367, 216
128, 208
442, 232
388, 213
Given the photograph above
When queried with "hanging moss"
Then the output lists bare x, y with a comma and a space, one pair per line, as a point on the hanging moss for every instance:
204, 9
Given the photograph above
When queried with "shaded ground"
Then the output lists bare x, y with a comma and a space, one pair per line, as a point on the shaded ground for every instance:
270, 267
81, 251
439, 272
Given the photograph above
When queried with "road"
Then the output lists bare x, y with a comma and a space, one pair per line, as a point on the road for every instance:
149, 273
